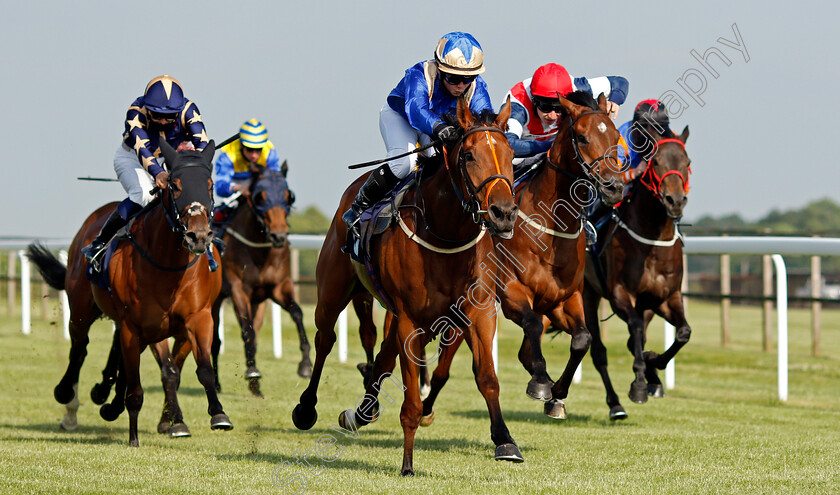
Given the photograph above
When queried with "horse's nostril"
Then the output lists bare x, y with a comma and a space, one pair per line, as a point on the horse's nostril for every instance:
496, 212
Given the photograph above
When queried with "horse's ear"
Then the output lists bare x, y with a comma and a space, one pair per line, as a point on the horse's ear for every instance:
504, 115
465, 116
284, 169
684, 136
570, 108
169, 154
208, 151
602, 102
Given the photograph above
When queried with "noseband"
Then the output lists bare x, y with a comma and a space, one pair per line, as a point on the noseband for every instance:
472, 204
652, 181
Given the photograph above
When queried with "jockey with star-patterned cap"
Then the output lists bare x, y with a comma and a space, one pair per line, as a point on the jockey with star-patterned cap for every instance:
162, 113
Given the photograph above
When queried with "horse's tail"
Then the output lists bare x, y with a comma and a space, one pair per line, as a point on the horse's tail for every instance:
52, 270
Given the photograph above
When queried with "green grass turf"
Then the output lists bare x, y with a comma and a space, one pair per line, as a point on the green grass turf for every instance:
722, 430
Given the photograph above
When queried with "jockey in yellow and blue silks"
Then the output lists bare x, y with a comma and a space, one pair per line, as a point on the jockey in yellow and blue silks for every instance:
234, 161
414, 109
162, 113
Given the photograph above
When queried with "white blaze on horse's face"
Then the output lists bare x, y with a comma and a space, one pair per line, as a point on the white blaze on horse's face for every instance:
602, 127
195, 209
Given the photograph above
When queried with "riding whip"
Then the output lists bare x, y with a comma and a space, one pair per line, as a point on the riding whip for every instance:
383, 160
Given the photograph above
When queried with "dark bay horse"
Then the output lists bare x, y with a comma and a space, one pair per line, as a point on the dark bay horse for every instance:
256, 266
643, 267
542, 266
429, 271
160, 286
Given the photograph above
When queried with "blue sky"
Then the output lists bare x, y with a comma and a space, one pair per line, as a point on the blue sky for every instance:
317, 73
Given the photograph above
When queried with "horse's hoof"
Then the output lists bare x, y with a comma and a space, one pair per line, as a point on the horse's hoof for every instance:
254, 387
428, 419
617, 413
539, 391
110, 412
252, 372
179, 430
68, 424
304, 419
425, 390
305, 369
347, 420
220, 422
134, 443
555, 408
508, 452
656, 390
63, 395
407, 472
638, 393
99, 393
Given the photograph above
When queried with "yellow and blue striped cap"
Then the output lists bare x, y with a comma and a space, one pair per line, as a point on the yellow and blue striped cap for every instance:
253, 134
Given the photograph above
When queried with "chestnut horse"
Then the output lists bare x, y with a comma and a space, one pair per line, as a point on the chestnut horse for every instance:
160, 285
542, 266
256, 266
643, 267
427, 269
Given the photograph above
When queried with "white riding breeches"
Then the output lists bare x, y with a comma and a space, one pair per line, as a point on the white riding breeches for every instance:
400, 138
135, 180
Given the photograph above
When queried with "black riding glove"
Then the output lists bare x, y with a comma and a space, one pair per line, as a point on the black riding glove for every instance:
445, 132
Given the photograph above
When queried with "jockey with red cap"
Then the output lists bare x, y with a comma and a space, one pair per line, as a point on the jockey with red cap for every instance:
535, 110
414, 112
162, 113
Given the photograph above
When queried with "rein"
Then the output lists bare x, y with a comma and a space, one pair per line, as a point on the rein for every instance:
652, 181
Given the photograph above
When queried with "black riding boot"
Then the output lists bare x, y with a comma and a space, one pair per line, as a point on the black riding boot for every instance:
115, 222
378, 184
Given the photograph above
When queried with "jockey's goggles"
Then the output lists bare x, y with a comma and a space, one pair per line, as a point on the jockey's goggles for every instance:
169, 118
547, 106
455, 79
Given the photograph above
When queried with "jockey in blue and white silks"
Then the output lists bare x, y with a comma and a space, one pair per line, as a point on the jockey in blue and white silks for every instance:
535, 110
162, 113
413, 112
233, 161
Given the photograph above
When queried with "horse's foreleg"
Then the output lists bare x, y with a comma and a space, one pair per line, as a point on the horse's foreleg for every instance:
242, 306
539, 387
598, 350
285, 297
441, 374
112, 411
575, 323
363, 306
217, 341
200, 331
623, 307
479, 337
673, 312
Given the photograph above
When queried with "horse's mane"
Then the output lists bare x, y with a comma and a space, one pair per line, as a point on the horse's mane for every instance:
430, 164
582, 98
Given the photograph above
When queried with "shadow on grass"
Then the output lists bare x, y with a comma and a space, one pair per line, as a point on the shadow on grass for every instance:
531, 417
94, 435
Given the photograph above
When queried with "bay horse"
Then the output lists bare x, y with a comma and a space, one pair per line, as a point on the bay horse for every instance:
257, 267
160, 285
644, 267
542, 267
427, 269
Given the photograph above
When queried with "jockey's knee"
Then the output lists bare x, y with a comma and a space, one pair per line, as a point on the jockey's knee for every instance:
400, 167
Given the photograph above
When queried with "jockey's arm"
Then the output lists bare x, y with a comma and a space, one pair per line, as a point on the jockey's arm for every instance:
516, 125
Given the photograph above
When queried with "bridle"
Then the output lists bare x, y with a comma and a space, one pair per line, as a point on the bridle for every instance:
586, 166
172, 212
471, 204
652, 181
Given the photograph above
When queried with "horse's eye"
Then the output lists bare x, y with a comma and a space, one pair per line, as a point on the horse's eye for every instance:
582, 140
468, 156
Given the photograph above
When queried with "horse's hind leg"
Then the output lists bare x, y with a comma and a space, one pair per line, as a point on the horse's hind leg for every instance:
441, 374
480, 339
172, 419
131, 349
581, 340
99, 393
242, 306
112, 411
539, 387
286, 299
599, 352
